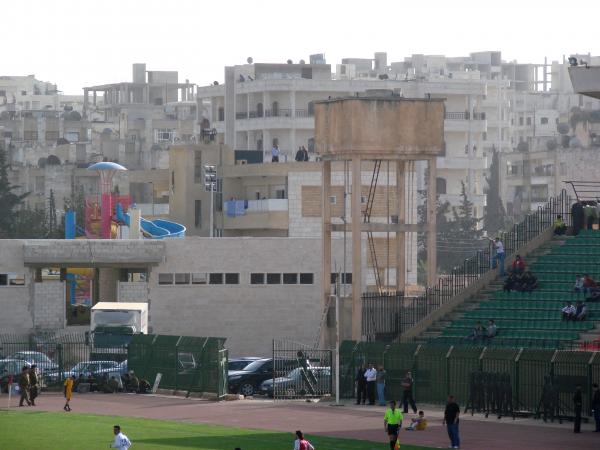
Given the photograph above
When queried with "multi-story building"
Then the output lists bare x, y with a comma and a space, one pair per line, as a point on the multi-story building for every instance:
137, 121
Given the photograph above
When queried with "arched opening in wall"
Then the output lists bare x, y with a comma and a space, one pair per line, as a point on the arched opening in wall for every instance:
205, 124
440, 185
275, 109
259, 110
311, 108
311, 145
221, 114
275, 142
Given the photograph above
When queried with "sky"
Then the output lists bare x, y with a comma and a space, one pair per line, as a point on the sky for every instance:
77, 43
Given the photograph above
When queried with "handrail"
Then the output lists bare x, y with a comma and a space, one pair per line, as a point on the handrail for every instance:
387, 316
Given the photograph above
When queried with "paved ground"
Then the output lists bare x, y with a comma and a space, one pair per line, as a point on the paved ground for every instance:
350, 421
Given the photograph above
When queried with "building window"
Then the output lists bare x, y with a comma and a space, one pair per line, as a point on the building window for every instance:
199, 278
215, 278
3, 279
182, 278
72, 136
198, 170
544, 121
306, 72
306, 278
529, 121
221, 114
198, 213
290, 278
346, 278
440, 185
521, 121
12, 279
280, 193
257, 278
164, 135
332, 200
29, 135
273, 278
165, 278
232, 278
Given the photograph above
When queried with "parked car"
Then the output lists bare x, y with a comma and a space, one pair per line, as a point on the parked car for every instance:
40, 359
84, 368
11, 367
295, 383
248, 381
240, 363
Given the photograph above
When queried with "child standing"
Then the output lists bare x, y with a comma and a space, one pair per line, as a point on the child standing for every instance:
68, 391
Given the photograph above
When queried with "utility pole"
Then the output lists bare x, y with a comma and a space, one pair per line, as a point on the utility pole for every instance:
210, 185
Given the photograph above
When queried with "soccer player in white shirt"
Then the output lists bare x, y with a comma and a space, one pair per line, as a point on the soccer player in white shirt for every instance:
121, 441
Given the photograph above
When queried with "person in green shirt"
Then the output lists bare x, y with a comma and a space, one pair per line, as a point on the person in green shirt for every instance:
392, 422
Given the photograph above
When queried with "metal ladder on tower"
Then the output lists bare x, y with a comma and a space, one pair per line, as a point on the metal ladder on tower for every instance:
367, 219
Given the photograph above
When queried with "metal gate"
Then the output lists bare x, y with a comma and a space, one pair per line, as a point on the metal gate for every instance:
299, 372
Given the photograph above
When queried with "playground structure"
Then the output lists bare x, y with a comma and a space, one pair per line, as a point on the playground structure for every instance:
108, 217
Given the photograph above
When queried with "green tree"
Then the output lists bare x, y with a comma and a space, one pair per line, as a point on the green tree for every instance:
30, 224
494, 218
10, 201
51, 220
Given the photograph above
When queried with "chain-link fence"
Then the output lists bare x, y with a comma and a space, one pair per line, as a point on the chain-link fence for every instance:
441, 370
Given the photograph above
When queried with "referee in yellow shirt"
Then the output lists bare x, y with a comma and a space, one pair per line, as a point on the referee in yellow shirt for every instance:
392, 423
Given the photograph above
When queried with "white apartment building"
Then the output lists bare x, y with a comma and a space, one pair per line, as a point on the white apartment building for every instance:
262, 105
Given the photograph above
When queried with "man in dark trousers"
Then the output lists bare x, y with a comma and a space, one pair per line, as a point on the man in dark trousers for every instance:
33, 384
361, 385
578, 405
24, 386
371, 377
407, 393
596, 406
451, 420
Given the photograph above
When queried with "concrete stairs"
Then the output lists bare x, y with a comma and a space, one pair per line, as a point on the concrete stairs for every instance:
436, 329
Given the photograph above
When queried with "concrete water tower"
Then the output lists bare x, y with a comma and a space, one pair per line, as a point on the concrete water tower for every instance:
362, 132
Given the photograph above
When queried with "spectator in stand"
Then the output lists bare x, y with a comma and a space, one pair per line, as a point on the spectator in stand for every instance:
492, 330
518, 266
560, 227
577, 215
478, 332
528, 282
589, 285
510, 283
275, 153
568, 312
499, 255
578, 286
301, 154
580, 311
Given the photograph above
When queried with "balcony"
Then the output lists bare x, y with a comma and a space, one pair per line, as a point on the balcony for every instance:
465, 122
586, 80
457, 163
271, 213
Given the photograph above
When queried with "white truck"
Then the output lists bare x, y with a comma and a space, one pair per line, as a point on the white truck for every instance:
114, 323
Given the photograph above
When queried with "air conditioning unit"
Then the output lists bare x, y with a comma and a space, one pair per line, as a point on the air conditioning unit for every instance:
242, 161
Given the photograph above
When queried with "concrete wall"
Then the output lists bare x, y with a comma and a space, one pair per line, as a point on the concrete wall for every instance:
249, 316
136, 292
16, 302
49, 305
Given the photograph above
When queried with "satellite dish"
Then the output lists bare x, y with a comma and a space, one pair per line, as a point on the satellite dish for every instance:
249, 60
289, 61
215, 83
302, 61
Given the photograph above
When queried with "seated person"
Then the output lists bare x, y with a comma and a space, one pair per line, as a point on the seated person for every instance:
568, 312
595, 297
578, 286
580, 311
589, 285
145, 387
518, 266
560, 227
134, 382
113, 385
492, 330
528, 282
418, 423
510, 284
79, 380
478, 332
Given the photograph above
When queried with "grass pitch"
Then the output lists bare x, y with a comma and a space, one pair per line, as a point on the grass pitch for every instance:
72, 431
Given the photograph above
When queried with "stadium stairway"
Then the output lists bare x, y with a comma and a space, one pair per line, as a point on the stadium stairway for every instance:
532, 319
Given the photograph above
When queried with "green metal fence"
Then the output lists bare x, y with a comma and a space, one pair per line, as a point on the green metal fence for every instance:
441, 370
193, 364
